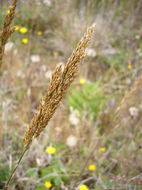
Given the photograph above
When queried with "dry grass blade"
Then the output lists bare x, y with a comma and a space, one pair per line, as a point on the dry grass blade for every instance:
7, 29
61, 80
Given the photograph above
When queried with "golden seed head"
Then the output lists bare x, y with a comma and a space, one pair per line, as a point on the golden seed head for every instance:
60, 81
7, 29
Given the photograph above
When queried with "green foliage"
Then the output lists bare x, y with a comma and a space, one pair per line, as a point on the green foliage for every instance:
4, 174
53, 173
31, 172
119, 59
107, 183
104, 59
88, 98
40, 188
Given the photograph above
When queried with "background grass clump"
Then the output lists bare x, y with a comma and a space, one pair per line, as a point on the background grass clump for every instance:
88, 98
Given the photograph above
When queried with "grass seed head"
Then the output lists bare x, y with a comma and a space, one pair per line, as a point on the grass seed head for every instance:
7, 29
60, 81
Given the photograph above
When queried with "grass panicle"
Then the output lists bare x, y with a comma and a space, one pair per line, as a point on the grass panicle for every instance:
7, 30
61, 80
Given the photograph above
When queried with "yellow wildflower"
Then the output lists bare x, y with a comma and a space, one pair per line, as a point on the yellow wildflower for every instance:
82, 81
129, 66
16, 28
8, 11
25, 40
23, 30
39, 33
48, 184
102, 149
92, 167
83, 187
50, 150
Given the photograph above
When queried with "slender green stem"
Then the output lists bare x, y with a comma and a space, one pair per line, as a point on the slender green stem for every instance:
83, 169
19, 161
15, 168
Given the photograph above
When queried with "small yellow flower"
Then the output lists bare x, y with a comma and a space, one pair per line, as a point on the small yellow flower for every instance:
8, 11
39, 33
83, 187
25, 40
16, 28
23, 30
50, 150
92, 167
102, 149
129, 66
82, 81
48, 184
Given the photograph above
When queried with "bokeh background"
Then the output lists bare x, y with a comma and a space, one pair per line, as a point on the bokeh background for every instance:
95, 139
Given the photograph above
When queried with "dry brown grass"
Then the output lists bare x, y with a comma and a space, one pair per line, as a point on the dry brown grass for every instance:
7, 29
131, 99
61, 80
57, 88
130, 95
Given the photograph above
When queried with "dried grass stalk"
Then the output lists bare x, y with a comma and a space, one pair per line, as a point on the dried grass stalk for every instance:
7, 29
130, 98
61, 80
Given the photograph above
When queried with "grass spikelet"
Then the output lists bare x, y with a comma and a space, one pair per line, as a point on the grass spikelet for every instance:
7, 29
61, 80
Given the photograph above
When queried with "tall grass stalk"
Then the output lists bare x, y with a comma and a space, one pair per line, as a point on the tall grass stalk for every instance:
7, 29
61, 80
